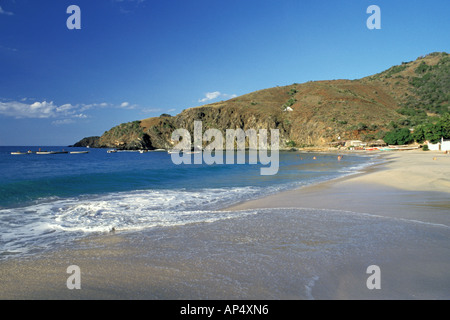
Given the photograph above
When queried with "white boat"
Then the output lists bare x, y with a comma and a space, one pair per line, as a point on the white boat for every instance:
407, 148
174, 151
18, 152
52, 152
78, 152
111, 151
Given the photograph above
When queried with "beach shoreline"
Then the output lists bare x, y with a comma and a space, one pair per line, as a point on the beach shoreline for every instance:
399, 180
310, 243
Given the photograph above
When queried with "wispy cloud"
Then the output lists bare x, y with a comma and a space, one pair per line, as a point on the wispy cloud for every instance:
62, 122
8, 13
151, 110
38, 110
85, 107
216, 94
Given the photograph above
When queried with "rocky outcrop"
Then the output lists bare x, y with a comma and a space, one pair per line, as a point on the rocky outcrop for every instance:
91, 142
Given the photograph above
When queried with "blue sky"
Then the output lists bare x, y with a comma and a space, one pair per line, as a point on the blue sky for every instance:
134, 59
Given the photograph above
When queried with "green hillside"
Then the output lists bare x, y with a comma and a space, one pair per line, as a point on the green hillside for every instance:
412, 94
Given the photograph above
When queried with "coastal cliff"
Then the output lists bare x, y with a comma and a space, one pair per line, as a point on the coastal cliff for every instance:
319, 113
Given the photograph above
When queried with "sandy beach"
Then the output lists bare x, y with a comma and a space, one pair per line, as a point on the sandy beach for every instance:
410, 185
315, 242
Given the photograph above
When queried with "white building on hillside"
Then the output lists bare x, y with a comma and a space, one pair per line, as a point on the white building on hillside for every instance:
355, 143
445, 144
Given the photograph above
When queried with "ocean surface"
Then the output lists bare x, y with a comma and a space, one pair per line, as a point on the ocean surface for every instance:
49, 200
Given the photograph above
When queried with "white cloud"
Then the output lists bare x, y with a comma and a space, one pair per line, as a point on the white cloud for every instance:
216, 94
210, 96
127, 105
5, 12
23, 110
40, 110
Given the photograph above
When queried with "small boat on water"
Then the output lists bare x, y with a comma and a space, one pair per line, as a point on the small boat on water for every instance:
407, 148
399, 148
19, 152
174, 151
112, 151
78, 152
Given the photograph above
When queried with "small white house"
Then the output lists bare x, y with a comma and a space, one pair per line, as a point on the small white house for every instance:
444, 145
355, 143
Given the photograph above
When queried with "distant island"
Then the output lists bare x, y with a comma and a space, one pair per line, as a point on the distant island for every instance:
390, 104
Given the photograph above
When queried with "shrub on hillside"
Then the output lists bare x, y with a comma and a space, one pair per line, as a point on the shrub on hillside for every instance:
433, 132
398, 137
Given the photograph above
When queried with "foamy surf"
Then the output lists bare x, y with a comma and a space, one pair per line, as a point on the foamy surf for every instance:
50, 223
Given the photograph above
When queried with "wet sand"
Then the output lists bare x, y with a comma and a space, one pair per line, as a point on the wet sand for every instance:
312, 243
410, 185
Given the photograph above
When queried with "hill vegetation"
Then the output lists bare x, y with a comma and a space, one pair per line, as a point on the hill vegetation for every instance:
413, 95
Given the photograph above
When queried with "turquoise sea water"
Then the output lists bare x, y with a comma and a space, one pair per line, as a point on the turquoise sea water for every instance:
46, 200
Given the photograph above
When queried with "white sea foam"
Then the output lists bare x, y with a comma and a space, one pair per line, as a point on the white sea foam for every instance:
52, 222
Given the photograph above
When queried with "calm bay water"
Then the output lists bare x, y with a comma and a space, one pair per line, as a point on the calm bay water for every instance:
46, 200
